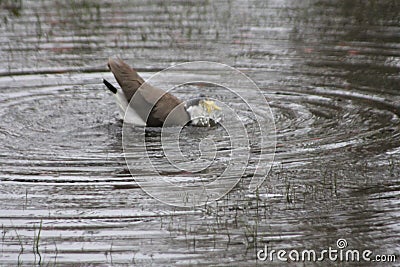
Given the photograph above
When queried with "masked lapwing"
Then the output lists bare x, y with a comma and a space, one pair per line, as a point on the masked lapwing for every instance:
142, 104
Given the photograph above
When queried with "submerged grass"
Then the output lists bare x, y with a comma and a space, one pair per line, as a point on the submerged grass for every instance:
36, 241
21, 248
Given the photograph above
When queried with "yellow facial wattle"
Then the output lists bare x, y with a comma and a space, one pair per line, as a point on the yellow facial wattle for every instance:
210, 106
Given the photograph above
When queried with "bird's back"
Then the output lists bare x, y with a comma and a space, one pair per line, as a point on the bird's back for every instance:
152, 104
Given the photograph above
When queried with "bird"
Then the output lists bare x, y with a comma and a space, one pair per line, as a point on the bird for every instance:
150, 106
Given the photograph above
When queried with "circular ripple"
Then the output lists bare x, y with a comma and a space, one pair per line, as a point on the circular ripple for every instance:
53, 126
323, 123
53, 129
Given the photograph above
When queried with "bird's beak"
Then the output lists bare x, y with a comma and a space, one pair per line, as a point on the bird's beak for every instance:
210, 106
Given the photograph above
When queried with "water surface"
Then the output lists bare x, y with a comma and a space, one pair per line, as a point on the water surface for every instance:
329, 70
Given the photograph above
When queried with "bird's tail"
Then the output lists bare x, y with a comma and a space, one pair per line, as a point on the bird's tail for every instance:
110, 86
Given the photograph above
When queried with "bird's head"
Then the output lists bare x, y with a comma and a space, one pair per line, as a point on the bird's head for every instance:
202, 112
209, 106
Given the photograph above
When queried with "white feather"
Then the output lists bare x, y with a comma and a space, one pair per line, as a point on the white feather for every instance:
198, 115
128, 114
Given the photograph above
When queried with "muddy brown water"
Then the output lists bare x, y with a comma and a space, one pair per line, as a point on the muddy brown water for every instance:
330, 73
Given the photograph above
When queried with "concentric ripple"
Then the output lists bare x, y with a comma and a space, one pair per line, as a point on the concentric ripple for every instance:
44, 128
319, 122
50, 122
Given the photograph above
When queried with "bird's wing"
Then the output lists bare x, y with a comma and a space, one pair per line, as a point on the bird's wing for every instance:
162, 104
127, 78
150, 100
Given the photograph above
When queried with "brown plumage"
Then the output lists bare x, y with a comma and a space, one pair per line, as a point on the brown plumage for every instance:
149, 100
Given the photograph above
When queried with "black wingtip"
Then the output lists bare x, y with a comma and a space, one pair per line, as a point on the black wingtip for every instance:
110, 86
